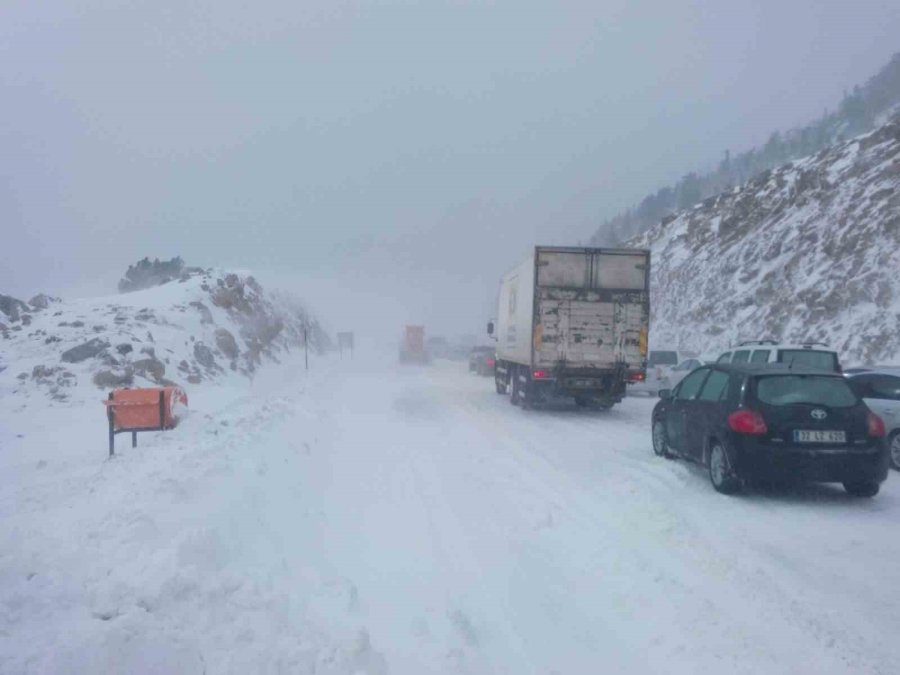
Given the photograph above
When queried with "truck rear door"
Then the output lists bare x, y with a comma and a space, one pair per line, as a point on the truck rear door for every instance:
592, 308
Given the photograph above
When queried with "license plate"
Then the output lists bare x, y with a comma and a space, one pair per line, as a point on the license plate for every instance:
819, 436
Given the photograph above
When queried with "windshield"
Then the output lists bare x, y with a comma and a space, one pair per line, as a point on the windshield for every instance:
663, 358
780, 390
810, 358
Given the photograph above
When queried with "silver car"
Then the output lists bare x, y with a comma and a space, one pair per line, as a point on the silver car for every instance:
880, 389
659, 366
682, 370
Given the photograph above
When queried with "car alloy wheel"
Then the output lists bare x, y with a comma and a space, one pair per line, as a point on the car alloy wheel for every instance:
895, 450
660, 444
720, 473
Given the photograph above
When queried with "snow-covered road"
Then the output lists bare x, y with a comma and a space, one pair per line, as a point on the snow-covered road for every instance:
373, 519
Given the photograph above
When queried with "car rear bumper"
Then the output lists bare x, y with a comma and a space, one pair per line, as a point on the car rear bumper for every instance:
770, 462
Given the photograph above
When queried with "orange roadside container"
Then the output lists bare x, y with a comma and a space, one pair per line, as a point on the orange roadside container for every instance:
140, 408
147, 409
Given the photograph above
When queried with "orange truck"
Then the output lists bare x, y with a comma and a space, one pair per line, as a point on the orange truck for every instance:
412, 345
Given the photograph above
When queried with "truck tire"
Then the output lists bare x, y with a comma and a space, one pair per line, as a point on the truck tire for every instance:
514, 385
499, 384
526, 394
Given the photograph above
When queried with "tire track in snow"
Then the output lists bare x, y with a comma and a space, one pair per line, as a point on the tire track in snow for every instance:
679, 538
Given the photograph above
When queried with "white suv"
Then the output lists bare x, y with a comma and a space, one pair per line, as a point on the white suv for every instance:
806, 354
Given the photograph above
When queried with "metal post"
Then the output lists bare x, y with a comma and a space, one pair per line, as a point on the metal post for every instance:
133, 439
112, 433
306, 346
162, 409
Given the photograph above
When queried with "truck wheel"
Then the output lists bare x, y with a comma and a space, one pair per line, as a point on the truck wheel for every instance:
499, 384
519, 391
526, 395
514, 385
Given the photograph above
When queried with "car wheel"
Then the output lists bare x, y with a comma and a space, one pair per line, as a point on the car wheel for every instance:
864, 489
660, 440
499, 384
894, 447
720, 472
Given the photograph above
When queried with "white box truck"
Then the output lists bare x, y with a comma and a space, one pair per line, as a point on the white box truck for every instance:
573, 322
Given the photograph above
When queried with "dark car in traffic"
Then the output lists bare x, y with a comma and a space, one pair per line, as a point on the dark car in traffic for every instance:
481, 360
772, 422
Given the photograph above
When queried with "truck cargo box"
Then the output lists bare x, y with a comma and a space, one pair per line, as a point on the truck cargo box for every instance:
576, 316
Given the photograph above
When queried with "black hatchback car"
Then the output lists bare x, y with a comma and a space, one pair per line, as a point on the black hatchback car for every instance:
772, 422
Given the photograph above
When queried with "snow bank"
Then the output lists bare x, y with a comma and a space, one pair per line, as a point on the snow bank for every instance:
208, 325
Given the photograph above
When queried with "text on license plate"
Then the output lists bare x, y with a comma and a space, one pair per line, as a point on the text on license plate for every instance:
819, 436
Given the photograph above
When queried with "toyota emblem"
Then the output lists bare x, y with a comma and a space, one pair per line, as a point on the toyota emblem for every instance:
818, 414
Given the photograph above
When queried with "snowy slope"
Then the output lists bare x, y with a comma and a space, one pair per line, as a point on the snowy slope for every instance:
808, 251
210, 325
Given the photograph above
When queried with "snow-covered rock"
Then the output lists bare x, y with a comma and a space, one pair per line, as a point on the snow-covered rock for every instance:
809, 251
204, 325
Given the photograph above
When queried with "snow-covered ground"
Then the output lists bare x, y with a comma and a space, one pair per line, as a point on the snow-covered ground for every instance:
367, 518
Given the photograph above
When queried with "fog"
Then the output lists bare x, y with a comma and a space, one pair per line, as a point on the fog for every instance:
394, 157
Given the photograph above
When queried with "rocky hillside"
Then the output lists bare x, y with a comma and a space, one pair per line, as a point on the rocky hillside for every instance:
198, 326
810, 251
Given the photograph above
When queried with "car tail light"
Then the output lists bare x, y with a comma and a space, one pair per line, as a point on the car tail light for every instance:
747, 422
489, 362
876, 426
637, 377
540, 374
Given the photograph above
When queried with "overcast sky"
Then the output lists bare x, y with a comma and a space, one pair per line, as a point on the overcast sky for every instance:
404, 151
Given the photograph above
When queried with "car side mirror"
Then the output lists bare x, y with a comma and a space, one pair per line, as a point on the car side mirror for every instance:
665, 394
490, 328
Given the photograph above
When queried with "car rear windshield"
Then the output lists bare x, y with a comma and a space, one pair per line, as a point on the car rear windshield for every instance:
833, 392
810, 358
663, 358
